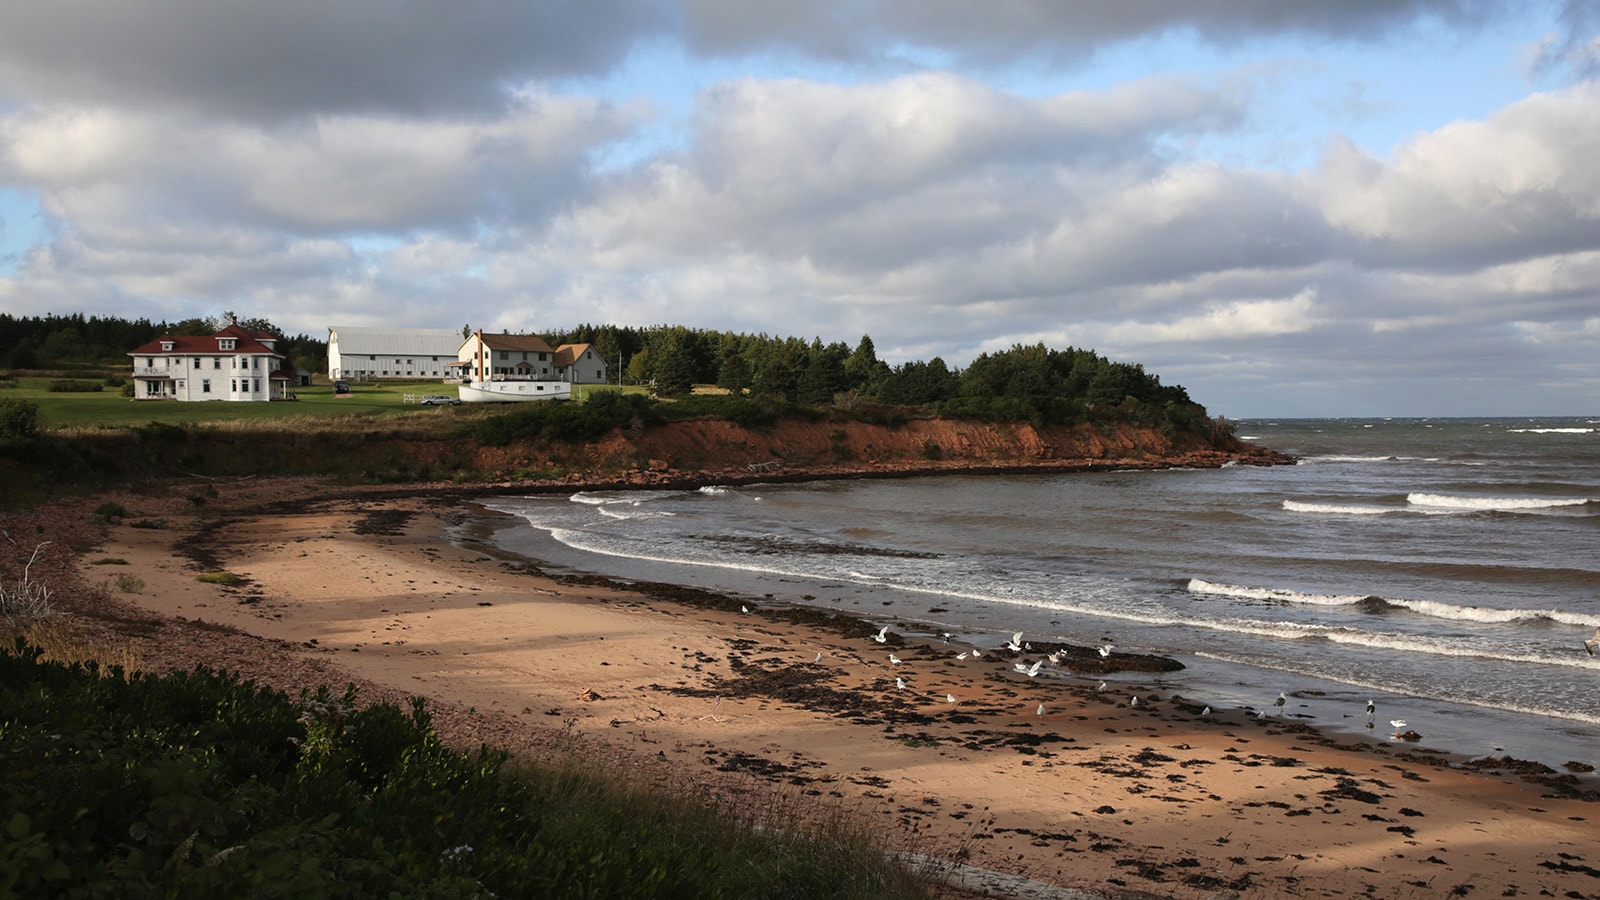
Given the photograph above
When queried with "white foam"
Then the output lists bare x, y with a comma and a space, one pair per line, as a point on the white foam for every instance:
1479, 504
1550, 430
1431, 608
1339, 509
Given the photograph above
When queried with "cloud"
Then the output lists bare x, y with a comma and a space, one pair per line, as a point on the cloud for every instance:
1520, 183
104, 168
303, 57
999, 33
1236, 320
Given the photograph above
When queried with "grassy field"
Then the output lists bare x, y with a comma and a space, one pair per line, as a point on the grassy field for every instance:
108, 408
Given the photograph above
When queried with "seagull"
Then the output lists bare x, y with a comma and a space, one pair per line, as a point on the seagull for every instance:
949, 698
1040, 710
1280, 701
976, 653
1399, 726
1015, 645
1020, 667
744, 609
1206, 711
894, 660
1105, 649
1372, 708
1102, 686
819, 657
1134, 701
946, 636
882, 636
899, 684
1593, 642
1034, 669
961, 655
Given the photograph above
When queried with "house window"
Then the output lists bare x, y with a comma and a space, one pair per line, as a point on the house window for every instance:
205, 386
166, 346
216, 362
150, 362
225, 344
372, 359
234, 386
197, 362
255, 385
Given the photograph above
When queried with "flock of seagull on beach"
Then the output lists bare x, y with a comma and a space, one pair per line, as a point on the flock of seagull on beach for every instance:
1018, 645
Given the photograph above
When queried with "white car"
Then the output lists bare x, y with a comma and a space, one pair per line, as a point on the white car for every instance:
439, 400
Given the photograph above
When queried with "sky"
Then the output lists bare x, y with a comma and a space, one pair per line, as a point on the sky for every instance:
1316, 208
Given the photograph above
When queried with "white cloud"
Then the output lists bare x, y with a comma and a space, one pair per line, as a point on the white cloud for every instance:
1238, 320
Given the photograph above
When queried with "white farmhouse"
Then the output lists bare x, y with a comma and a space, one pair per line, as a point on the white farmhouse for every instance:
232, 364
527, 357
373, 354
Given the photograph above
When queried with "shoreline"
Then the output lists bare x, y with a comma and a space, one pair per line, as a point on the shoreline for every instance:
1095, 793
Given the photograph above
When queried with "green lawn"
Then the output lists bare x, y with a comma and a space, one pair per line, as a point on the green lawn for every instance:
109, 408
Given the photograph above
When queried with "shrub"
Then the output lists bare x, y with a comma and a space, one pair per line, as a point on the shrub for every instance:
111, 510
71, 386
129, 584
566, 422
161, 431
200, 784
19, 419
219, 578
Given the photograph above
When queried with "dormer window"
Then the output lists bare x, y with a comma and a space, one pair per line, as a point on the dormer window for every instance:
166, 346
225, 343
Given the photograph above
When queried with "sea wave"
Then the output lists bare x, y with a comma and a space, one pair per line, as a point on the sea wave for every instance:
1483, 504
1550, 430
634, 498
1340, 509
1431, 608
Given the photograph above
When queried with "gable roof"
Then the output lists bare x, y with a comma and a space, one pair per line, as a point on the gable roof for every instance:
529, 342
244, 342
567, 354
394, 341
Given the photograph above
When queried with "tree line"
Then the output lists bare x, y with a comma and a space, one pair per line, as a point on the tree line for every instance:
1025, 383
77, 341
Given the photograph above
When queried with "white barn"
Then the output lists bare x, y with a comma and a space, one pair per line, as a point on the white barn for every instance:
369, 354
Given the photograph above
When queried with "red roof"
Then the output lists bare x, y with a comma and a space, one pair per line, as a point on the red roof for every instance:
183, 344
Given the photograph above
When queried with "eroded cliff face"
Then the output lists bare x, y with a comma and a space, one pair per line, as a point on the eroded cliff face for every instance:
723, 451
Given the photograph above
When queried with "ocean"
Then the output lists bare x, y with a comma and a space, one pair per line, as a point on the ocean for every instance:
1446, 569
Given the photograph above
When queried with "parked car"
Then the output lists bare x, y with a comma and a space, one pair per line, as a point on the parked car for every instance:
439, 400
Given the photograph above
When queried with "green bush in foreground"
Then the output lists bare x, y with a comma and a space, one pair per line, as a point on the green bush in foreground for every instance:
201, 784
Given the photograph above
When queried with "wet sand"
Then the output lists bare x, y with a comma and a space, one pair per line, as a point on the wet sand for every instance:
1097, 792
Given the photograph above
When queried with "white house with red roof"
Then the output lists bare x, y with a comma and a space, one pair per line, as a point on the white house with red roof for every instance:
232, 364
485, 356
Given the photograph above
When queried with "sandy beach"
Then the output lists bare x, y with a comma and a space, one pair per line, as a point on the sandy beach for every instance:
1110, 792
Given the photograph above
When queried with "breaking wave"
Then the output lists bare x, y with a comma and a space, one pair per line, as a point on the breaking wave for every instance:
1431, 608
